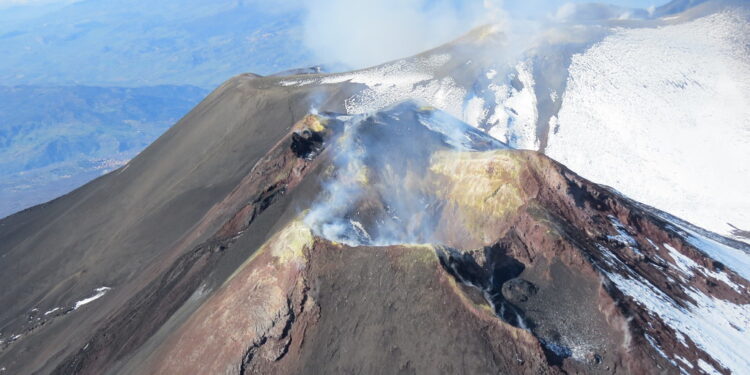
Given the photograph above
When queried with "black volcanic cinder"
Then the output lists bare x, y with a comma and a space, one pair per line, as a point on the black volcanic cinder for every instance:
307, 145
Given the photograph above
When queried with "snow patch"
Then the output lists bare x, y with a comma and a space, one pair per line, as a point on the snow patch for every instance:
736, 259
658, 349
622, 237
718, 327
684, 361
100, 292
360, 229
475, 112
687, 265
52, 311
705, 366
515, 117
443, 94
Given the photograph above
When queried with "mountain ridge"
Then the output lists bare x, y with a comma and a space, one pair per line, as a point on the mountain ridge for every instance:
155, 314
293, 224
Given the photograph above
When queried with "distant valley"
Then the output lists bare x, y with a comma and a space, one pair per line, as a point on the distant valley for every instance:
146, 65
54, 139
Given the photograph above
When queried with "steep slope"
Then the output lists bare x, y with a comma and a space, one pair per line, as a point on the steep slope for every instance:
344, 246
123, 229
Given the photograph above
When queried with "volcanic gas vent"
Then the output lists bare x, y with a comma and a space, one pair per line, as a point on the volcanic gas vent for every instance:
496, 270
381, 187
308, 136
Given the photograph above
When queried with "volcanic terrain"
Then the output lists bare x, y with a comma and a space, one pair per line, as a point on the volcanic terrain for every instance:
401, 241
354, 223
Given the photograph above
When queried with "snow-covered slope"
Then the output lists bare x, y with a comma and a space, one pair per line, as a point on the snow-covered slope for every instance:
487, 90
662, 115
657, 108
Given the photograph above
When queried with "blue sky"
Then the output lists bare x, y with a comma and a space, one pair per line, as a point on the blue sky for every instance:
543, 6
530, 4
526, 5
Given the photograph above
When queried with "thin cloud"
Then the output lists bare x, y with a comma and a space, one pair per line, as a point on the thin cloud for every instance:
359, 33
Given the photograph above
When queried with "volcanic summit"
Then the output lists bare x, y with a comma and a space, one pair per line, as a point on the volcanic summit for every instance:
322, 223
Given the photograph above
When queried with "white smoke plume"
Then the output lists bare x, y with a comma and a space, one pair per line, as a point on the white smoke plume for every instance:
380, 190
361, 33
353, 34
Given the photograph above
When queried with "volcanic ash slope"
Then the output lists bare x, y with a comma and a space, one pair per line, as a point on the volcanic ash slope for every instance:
255, 237
454, 254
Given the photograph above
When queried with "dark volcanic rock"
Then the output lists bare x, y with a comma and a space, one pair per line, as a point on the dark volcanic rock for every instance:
307, 145
518, 290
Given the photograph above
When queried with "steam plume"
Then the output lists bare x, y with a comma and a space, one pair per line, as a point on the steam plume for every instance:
359, 33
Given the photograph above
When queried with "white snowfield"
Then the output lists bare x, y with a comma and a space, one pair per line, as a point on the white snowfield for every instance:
663, 116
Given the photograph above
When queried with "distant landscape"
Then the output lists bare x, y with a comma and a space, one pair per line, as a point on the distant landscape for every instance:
85, 86
54, 139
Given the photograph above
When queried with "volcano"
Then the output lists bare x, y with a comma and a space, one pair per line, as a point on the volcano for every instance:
362, 223
257, 238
